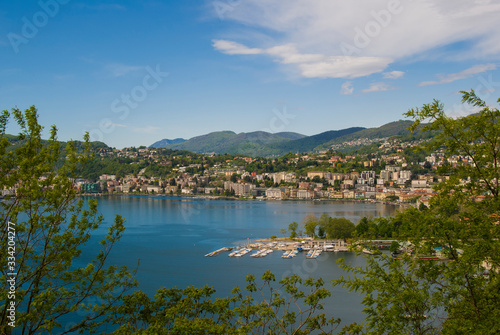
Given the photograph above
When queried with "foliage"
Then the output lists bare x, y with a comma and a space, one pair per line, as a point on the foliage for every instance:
310, 223
292, 228
335, 228
294, 307
51, 229
340, 228
460, 293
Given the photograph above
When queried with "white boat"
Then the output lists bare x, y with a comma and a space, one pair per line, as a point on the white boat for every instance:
288, 254
368, 251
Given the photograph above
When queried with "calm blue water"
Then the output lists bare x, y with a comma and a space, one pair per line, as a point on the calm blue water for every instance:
171, 235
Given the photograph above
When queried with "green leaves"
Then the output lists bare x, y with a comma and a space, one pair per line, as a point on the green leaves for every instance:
291, 308
52, 227
459, 293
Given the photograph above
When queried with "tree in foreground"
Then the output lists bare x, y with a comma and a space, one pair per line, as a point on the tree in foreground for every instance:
294, 307
44, 231
54, 288
459, 294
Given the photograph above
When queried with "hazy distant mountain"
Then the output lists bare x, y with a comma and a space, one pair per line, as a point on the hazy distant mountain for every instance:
265, 144
163, 143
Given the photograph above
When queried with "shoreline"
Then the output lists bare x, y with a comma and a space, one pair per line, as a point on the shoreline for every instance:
217, 197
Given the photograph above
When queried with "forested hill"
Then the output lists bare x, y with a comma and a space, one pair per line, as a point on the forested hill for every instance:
258, 143
165, 142
309, 143
265, 144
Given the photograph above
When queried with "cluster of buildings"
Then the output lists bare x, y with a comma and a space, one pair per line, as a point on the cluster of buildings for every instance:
391, 184
386, 176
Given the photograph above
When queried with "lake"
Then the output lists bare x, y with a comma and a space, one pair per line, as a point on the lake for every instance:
171, 235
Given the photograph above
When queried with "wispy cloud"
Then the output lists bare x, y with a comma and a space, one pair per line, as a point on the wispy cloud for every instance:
233, 48
378, 87
461, 110
311, 65
393, 74
119, 125
347, 88
319, 29
444, 79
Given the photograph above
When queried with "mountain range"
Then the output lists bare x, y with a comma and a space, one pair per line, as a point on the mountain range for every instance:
264, 144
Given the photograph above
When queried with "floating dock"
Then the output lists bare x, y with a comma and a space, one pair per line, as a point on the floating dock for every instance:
314, 253
261, 253
240, 252
289, 254
216, 252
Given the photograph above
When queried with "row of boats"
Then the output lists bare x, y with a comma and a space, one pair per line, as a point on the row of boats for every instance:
239, 252
263, 252
243, 252
290, 254
314, 253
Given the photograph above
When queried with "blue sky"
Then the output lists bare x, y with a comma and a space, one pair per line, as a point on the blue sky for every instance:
132, 73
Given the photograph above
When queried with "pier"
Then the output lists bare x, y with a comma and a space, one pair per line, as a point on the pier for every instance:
216, 252
312, 248
314, 253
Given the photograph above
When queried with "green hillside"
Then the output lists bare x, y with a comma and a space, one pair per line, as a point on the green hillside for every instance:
309, 143
265, 144
396, 128
252, 144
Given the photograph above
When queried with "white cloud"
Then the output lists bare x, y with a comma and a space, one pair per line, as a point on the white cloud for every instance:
119, 125
444, 79
324, 30
311, 65
344, 67
378, 87
461, 110
347, 88
393, 74
233, 48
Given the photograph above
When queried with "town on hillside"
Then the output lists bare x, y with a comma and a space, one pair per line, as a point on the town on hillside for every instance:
389, 171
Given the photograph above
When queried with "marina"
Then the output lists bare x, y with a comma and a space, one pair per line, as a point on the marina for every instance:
172, 235
312, 248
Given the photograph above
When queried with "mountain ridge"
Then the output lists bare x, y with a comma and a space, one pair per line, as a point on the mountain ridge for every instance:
165, 142
264, 144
